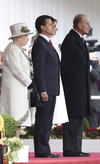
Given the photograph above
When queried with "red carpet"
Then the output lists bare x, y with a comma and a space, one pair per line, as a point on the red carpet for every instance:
93, 159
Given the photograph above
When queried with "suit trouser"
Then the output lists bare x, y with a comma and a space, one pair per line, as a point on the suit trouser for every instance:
72, 136
43, 124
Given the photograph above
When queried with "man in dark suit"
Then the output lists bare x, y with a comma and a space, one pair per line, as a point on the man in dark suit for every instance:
95, 91
46, 75
75, 79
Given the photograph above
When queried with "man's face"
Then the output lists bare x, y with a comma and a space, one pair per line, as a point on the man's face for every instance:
55, 26
84, 26
48, 29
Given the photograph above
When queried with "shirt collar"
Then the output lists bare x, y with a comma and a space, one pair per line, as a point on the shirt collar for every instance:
44, 36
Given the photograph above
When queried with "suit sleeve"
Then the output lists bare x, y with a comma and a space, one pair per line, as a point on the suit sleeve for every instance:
39, 66
13, 61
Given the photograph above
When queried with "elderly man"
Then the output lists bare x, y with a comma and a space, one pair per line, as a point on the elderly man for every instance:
75, 78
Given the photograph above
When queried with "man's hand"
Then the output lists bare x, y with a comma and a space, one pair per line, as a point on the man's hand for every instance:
44, 96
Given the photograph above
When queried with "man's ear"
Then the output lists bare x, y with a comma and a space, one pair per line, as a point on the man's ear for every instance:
42, 28
79, 25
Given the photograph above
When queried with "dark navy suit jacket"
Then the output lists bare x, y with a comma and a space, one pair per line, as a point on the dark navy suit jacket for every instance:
46, 67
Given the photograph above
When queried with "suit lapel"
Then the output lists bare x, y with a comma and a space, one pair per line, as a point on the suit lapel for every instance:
79, 40
81, 44
49, 47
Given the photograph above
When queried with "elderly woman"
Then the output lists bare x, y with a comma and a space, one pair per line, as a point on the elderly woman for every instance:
16, 77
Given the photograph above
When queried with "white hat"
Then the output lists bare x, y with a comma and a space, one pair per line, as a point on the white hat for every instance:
19, 29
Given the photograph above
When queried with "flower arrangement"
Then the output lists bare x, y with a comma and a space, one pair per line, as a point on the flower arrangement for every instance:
57, 131
14, 144
27, 132
93, 133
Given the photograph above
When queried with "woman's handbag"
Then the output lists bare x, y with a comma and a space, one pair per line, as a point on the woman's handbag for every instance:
35, 99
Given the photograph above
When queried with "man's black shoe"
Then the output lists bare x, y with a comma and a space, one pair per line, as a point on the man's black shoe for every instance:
75, 154
84, 154
53, 155
48, 156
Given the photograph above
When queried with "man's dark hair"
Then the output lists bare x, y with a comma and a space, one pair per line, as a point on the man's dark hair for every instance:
41, 20
53, 20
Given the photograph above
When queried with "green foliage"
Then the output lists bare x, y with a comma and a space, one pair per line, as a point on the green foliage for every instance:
15, 145
10, 125
85, 124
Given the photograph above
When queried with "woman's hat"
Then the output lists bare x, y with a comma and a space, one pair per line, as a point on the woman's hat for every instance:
19, 29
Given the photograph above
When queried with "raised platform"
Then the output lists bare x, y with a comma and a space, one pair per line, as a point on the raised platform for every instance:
94, 158
88, 145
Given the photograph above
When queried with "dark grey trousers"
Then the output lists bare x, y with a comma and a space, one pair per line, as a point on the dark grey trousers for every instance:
72, 137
